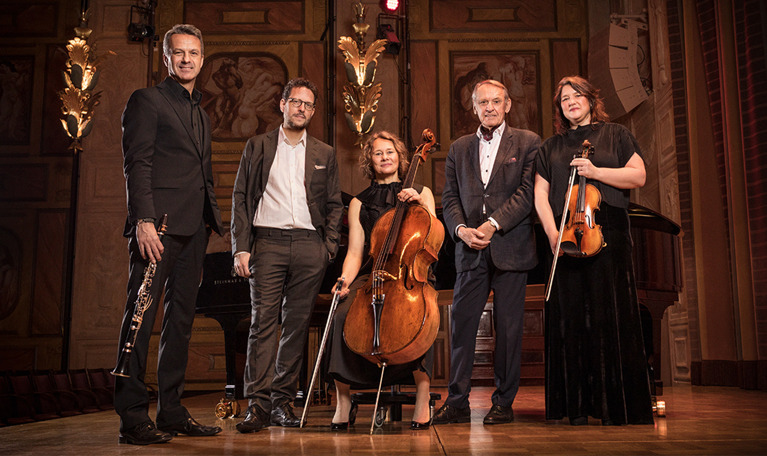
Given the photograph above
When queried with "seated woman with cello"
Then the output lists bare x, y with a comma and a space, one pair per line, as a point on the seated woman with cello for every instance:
595, 360
384, 161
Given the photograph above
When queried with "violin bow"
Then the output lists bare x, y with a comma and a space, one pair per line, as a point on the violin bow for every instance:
331, 313
562, 224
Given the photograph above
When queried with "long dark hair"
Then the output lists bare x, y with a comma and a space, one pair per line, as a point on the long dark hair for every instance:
583, 87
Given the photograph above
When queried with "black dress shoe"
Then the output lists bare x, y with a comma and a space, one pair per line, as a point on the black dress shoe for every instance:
449, 414
144, 434
416, 426
282, 415
499, 414
191, 428
255, 420
352, 419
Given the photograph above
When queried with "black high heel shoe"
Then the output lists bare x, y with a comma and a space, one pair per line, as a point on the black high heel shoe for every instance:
352, 419
416, 426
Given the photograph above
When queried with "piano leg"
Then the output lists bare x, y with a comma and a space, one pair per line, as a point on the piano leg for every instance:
228, 407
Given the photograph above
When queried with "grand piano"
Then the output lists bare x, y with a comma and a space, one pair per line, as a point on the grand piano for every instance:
658, 276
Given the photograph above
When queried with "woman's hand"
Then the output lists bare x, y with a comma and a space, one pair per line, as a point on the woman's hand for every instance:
344, 288
553, 238
585, 168
409, 195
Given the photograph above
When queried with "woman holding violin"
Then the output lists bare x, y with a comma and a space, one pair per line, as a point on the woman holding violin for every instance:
595, 360
384, 161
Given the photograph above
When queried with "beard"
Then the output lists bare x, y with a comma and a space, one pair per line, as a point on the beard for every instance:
297, 123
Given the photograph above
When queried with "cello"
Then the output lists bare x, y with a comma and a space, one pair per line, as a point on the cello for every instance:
579, 235
394, 318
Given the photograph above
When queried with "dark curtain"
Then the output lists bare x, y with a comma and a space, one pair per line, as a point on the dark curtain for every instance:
749, 18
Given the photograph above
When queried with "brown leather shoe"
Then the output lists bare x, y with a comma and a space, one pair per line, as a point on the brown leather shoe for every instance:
255, 420
191, 428
449, 414
499, 414
143, 434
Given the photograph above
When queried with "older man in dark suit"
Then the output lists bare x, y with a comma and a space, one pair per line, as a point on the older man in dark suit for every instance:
487, 204
286, 216
167, 163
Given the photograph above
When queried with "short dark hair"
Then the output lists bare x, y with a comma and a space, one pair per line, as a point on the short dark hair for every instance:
585, 88
366, 157
299, 82
181, 29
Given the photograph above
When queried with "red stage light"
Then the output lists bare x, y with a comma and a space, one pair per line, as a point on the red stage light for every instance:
390, 6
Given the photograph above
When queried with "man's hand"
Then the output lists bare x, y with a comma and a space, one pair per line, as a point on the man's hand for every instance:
149, 242
474, 238
487, 229
241, 261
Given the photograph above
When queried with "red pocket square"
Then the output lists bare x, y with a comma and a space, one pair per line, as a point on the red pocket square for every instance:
512, 160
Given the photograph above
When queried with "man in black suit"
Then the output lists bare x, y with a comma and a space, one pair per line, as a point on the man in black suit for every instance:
286, 215
167, 163
487, 204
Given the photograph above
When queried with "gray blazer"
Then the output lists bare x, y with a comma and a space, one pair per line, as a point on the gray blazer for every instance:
508, 199
323, 192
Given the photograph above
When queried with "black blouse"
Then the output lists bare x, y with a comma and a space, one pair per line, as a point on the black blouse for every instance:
376, 200
613, 147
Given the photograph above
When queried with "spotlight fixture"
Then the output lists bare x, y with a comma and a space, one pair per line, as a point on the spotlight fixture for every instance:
141, 25
387, 32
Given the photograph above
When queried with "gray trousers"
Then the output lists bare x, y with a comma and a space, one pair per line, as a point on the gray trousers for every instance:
287, 268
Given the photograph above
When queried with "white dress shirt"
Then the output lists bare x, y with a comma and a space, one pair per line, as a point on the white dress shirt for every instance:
283, 204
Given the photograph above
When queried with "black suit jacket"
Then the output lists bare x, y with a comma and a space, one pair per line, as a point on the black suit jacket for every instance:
166, 171
323, 192
508, 199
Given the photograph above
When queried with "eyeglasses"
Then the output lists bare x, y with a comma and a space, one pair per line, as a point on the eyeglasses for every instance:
296, 103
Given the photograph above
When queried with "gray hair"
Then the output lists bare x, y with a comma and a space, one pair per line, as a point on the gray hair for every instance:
493, 83
181, 29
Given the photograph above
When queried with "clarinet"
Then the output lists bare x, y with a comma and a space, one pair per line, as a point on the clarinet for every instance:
143, 301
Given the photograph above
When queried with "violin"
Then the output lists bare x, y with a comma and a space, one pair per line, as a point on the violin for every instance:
394, 318
579, 235
582, 237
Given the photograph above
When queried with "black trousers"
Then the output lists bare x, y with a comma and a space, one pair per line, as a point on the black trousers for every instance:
178, 273
472, 289
287, 267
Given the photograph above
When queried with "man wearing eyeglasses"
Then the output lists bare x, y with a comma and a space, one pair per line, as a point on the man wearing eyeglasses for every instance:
286, 216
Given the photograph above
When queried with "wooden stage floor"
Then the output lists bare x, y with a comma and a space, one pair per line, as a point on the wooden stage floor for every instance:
699, 421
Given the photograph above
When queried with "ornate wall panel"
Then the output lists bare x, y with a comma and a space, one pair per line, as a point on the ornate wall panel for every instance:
49, 275
260, 17
30, 18
481, 16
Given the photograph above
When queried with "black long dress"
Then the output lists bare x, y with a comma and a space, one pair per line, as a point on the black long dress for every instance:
343, 364
595, 359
